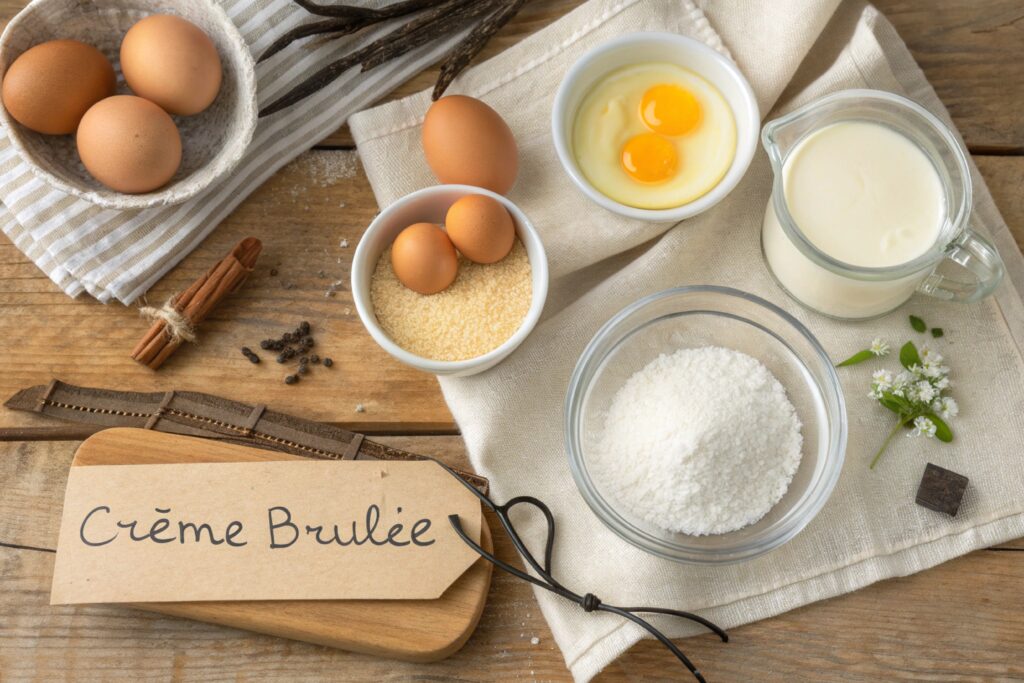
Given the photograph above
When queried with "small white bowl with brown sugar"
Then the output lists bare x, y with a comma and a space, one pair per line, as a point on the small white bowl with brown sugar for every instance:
473, 324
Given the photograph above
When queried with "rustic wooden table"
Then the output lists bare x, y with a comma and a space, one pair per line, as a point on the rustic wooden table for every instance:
962, 620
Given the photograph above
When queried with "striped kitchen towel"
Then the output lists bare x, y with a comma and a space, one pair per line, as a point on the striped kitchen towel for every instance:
117, 254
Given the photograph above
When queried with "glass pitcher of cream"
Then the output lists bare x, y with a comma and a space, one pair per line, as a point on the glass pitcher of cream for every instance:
872, 194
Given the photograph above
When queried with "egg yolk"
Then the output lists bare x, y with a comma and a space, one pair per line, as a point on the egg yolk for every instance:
649, 158
670, 110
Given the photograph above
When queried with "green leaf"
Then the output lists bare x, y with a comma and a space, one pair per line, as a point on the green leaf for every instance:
858, 357
892, 403
897, 404
917, 324
942, 431
937, 332
909, 356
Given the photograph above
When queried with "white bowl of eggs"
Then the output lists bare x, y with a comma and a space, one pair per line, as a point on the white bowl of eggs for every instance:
655, 126
406, 248
127, 104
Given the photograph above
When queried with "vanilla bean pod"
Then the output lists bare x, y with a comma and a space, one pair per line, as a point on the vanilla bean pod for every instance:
409, 36
422, 30
342, 23
341, 27
392, 10
348, 11
470, 46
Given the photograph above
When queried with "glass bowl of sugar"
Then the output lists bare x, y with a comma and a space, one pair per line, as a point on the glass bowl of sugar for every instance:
705, 425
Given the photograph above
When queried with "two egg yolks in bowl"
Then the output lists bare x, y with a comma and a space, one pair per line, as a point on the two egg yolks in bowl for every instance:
654, 136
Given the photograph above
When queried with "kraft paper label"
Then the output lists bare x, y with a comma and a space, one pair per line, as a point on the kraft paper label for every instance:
291, 530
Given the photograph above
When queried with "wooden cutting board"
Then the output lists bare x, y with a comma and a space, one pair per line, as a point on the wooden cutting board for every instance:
412, 630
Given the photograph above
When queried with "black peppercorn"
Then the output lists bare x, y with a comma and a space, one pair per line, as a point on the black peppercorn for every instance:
308, 342
303, 369
304, 327
314, 359
291, 379
288, 338
328, 362
266, 344
281, 357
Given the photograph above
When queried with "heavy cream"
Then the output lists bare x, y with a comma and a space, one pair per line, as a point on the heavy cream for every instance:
866, 196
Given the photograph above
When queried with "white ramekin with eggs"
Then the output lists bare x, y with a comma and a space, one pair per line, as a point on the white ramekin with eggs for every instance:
655, 126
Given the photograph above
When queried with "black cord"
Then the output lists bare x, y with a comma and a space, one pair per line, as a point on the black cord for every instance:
589, 602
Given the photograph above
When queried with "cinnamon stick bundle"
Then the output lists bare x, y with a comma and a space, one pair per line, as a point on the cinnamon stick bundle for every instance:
175, 322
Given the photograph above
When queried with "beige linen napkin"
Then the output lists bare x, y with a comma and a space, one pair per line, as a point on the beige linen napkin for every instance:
119, 255
511, 417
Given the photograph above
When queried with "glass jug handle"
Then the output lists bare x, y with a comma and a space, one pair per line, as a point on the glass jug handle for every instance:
977, 255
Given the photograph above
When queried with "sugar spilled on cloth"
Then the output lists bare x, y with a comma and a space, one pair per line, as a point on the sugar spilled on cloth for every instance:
699, 441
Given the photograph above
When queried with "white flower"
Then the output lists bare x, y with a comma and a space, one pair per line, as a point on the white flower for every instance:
933, 370
925, 392
945, 407
882, 380
879, 347
901, 382
929, 356
941, 384
923, 427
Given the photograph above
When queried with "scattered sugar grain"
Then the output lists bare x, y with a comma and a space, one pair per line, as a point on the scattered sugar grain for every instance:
324, 168
483, 307
535, 641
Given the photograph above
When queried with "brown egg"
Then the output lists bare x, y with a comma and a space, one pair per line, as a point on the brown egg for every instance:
129, 144
171, 61
481, 228
49, 87
465, 141
424, 259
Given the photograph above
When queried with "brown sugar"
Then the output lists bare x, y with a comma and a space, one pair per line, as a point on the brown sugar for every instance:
480, 310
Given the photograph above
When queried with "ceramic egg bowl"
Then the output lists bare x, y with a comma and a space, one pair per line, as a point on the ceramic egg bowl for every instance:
638, 48
213, 141
431, 205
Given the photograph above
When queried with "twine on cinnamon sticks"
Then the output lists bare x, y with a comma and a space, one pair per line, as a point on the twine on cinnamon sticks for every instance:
174, 323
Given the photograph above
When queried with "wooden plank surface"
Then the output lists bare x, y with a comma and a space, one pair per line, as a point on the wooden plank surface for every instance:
959, 621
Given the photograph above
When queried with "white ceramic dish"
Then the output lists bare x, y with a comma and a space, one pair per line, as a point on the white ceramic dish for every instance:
657, 47
213, 141
431, 204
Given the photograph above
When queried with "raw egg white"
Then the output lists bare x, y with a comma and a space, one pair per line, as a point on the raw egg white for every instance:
654, 136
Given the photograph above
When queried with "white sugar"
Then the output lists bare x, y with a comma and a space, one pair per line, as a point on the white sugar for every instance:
701, 441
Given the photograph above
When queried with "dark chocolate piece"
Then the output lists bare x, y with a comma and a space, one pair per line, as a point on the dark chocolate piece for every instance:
941, 490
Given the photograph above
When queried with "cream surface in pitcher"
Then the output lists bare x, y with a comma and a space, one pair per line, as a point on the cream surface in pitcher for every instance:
866, 196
